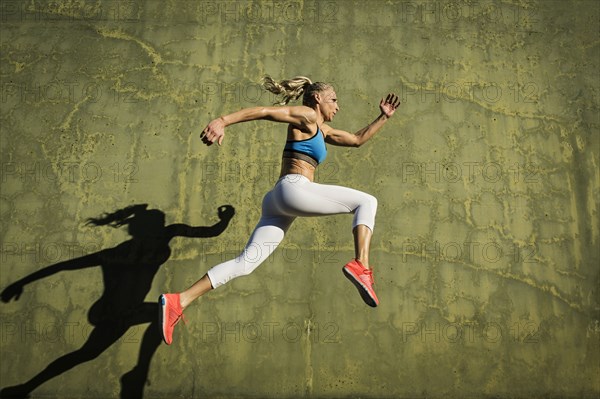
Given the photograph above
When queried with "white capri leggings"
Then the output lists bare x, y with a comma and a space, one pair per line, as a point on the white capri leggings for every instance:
293, 195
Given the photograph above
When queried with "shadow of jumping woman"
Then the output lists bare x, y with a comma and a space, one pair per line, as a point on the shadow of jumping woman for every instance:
128, 271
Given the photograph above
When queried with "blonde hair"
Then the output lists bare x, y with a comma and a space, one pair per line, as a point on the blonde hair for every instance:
292, 89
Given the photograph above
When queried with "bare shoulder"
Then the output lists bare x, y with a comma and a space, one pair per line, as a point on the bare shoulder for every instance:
304, 113
299, 116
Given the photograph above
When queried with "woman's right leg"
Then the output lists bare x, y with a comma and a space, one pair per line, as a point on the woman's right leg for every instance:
199, 288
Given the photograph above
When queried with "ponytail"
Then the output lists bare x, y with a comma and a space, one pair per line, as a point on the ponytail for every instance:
289, 90
292, 89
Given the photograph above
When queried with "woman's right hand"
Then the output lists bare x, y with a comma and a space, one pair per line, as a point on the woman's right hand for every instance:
214, 131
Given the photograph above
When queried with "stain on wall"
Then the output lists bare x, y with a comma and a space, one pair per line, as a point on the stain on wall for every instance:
486, 246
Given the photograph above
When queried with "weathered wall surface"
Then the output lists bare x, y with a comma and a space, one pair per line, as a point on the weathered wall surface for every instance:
486, 244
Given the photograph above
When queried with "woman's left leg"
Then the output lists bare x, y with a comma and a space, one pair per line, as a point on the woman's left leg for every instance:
298, 196
265, 238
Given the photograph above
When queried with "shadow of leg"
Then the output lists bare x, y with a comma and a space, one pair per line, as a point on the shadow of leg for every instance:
100, 339
133, 382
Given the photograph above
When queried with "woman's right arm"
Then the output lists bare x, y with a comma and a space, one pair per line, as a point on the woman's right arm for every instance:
300, 116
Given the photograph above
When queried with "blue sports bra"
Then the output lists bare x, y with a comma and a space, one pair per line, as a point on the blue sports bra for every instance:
311, 150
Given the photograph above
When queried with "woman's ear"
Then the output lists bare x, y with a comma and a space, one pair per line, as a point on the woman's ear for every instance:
318, 98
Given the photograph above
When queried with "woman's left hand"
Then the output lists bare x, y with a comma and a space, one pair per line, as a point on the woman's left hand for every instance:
389, 104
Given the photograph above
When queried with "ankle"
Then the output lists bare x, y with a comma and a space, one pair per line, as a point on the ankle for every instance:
184, 301
364, 262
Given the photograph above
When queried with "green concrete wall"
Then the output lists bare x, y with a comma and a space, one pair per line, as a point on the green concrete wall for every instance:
487, 235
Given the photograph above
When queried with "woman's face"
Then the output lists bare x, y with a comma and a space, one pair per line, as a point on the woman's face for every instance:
328, 104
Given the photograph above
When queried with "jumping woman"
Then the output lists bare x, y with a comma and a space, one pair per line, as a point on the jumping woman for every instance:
295, 193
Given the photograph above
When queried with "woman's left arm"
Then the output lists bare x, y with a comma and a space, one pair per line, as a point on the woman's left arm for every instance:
337, 137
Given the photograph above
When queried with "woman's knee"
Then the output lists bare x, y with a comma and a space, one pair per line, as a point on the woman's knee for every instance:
371, 202
366, 211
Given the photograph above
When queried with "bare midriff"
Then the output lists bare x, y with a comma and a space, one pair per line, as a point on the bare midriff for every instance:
297, 166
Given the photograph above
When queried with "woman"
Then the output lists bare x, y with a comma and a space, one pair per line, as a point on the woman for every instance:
295, 194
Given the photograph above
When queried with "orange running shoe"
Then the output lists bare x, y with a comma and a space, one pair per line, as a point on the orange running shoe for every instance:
169, 314
362, 278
